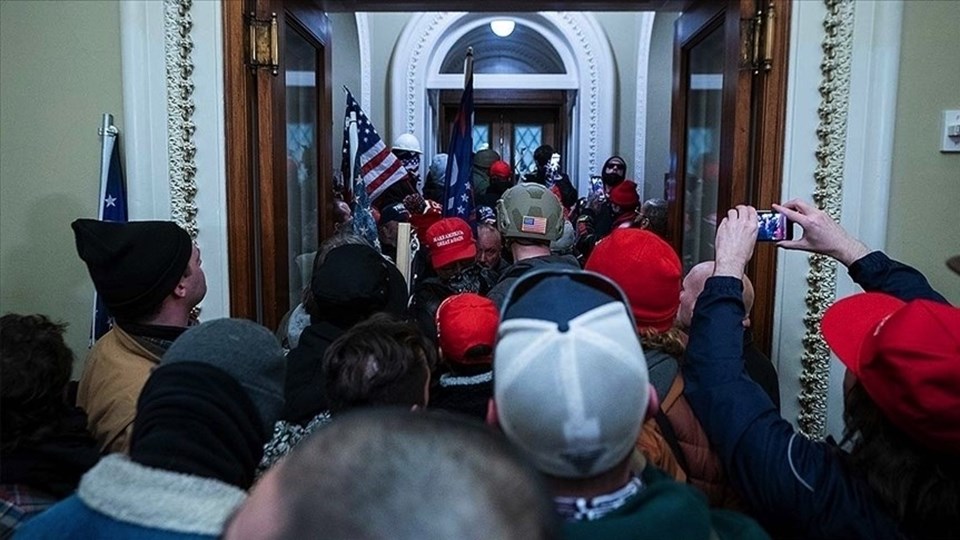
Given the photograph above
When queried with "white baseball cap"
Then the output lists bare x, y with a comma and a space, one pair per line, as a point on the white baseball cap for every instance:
570, 378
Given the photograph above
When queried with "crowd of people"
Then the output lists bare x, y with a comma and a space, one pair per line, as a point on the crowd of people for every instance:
548, 371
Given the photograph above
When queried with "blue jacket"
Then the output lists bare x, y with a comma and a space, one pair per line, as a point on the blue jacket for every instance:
119, 498
792, 481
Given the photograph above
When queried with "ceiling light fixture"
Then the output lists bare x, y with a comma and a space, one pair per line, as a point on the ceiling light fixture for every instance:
502, 27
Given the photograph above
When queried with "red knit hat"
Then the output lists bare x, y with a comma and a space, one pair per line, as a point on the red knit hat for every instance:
500, 169
648, 271
625, 195
465, 321
907, 357
450, 240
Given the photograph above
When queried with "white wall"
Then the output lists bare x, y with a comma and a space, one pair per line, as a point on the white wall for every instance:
345, 72
659, 104
924, 229
59, 71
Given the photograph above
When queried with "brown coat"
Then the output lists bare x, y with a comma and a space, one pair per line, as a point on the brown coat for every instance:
653, 447
115, 372
704, 469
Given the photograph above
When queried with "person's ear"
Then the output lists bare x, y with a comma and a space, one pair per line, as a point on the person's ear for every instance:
493, 419
746, 322
180, 291
653, 403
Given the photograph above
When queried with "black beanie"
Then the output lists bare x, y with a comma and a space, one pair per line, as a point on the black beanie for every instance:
354, 282
134, 265
197, 419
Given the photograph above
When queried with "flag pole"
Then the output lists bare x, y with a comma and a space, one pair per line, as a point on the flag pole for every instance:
354, 138
468, 67
108, 138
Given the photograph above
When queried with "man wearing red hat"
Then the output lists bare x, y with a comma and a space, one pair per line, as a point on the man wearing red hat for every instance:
900, 343
466, 332
453, 256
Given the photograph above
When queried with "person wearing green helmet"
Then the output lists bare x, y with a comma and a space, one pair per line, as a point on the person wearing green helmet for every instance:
529, 216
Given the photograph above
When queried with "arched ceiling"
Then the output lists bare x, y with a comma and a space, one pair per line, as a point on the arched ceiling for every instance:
524, 51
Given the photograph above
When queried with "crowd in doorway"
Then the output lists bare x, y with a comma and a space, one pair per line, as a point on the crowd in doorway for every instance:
544, 369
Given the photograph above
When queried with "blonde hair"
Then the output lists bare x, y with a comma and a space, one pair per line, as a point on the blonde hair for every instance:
671, 342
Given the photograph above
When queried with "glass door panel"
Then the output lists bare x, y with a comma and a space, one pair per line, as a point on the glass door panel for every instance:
301, 156
704, 87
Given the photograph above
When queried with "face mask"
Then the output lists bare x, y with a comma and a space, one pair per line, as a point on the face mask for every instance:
411, 163
467, 280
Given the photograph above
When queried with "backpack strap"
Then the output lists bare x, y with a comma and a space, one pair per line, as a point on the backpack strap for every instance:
666, 427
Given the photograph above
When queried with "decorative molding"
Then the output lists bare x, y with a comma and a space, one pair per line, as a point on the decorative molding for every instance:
578, 39
180, 109
828, 194
640, 120
424, 44
363, 37
572, 23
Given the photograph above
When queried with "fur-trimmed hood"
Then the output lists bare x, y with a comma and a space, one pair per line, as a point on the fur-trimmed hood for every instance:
133, 493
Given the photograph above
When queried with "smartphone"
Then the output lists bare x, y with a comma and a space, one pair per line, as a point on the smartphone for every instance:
774, 226
555, 161
596, 186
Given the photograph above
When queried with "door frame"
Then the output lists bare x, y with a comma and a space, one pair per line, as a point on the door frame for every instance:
754, 110
255, 193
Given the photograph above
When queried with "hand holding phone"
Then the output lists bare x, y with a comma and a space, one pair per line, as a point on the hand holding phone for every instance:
774, 226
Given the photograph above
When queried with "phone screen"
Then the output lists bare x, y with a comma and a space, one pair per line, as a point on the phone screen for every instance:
774, 226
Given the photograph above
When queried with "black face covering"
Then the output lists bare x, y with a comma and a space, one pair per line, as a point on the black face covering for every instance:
466, 280
612, 179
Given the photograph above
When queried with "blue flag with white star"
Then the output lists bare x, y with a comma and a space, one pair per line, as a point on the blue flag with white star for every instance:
113, 207
458, 189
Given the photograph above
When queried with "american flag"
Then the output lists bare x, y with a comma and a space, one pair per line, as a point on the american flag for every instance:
113, 207
378, 167
458, 190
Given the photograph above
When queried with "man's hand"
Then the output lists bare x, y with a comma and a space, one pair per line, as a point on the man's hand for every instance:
736, 237
821, 234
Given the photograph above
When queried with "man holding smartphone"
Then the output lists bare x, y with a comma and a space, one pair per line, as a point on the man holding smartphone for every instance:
901, 345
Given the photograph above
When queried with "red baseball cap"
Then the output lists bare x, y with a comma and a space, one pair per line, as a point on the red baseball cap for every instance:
500, 169
907, 357
450, 240
465, 321
647, 269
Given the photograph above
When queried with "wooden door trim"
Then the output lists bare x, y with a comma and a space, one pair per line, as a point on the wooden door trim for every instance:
255, 192
240, 162
770, 123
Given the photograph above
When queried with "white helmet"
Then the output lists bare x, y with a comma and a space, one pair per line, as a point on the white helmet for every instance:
408, 142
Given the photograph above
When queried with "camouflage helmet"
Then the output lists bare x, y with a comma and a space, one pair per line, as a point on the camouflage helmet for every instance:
529, 210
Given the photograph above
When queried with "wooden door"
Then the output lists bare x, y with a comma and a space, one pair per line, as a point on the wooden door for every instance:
729, 89
279, 163
512, 122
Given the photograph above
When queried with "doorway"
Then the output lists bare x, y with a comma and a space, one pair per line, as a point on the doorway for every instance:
514, 123
726, 133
